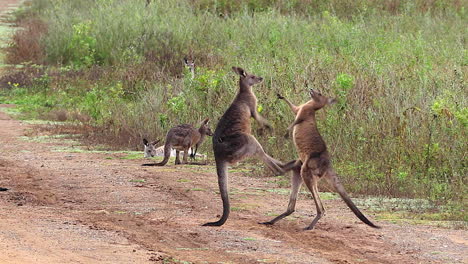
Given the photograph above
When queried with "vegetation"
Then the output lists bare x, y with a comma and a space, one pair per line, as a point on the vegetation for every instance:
397, 68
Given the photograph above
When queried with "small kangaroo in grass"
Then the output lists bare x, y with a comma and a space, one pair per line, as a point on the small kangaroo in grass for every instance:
190, 65
182, 138
314, 159
232, 140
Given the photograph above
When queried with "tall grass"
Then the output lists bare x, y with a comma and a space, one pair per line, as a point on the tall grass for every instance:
398, 72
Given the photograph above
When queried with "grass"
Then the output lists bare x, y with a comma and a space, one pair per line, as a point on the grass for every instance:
184, 180
132, 156
138, 180
6, 31
397, 69
416, 211
202, 249
197, 189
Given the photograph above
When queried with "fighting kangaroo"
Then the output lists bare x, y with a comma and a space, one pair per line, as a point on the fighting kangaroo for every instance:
314, 160
182, 138
232, 140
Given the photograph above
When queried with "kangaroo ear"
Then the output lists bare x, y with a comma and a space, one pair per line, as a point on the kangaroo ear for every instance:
311, 92
239, 71
331, 101
185, 60
155, 142
145, 142
206, 120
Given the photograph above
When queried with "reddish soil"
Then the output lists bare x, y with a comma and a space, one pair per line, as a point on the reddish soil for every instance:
68, 207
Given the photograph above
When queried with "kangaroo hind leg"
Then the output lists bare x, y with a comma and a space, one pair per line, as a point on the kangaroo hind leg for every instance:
296, 182
333, 179
311, 179
257, 149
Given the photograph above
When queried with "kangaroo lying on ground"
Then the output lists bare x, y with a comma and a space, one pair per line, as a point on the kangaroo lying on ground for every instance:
150, 147
314, 160
182, 138
232, 140
151, 150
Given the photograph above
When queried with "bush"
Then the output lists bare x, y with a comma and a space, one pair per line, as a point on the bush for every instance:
397, 68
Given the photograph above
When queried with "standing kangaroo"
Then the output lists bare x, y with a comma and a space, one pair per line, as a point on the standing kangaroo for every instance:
232, 140
190, 65
314, 160
182, 138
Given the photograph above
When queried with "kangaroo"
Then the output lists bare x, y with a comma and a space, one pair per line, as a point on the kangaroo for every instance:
232, 140
182, 138
314, 159
150, 148
190, 65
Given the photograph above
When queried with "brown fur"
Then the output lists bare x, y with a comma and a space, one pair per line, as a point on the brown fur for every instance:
314, 160
232, 140
182, 138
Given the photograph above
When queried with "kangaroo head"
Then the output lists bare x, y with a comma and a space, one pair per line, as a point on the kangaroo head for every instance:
319, 101
150, 148
204, 128
246, 78
190, 64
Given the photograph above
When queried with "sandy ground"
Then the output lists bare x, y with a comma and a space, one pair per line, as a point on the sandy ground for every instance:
68, 207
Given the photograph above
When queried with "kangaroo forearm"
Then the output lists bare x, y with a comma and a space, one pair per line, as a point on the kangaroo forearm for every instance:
260, 119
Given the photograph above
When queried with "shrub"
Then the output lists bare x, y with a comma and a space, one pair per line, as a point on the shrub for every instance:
397, 68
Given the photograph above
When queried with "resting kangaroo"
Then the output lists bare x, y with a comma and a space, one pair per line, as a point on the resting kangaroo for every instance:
150, 147
232, 140
182, 138
314, 160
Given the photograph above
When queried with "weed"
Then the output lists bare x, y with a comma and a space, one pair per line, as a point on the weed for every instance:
198, 189
184, 180
138, 180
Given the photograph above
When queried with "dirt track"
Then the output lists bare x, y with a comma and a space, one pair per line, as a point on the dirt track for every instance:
66, 207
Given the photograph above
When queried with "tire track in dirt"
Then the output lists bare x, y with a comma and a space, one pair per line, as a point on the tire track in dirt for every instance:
159, 211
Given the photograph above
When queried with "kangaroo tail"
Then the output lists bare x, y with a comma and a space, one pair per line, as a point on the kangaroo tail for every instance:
167, 154
221, 168
335, 181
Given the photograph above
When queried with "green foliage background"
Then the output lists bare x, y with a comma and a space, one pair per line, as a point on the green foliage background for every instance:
397, 68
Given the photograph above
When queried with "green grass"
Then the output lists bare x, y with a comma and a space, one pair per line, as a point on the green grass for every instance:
6, 31
62, 138
138, 180
184, 180
417, 211
136, 155
197, 189
398, 71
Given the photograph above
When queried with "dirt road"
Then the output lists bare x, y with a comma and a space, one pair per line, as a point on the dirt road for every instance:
70, 207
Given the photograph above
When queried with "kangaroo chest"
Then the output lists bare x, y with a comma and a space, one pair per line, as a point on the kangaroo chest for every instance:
307, 140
